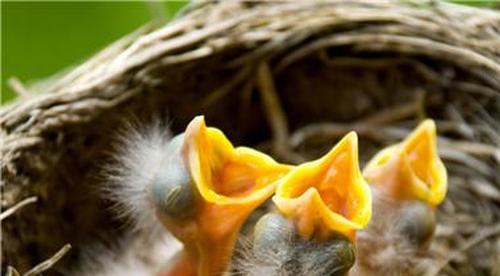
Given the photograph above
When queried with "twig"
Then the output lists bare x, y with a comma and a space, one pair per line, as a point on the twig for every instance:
391, 114
18, 87
334, 130
276, 116
482, 113
158, 11
377, 63
11, 271
227, 87
245, 100
420, 97
471, 242
16, 207
373, 42
275, 113
402, 110
452, 154
45, 265
473, 88
485, 189
455, 117
475, 148
488, 131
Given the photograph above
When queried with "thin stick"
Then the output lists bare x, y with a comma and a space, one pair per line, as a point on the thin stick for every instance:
18, 206
334, 130
462, 57
455, 116
473, 88
245, 99
18, 87
377, 63
45, 265
482, 113
476, 164
475, 148
471, 242
218, 93
420, 103
391, 114
275, 114
401, 111
158, 11
11, 271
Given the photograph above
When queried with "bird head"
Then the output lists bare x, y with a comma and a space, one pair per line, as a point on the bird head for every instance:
410, 170
320, 206
327, 195
207, 189
278, 249
408, 181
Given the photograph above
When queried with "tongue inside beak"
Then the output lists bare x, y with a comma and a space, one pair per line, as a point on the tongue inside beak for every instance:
327, 195
412, 169
230, 183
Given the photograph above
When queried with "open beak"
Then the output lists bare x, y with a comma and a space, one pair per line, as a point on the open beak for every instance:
411, 169
327, 195
229, 183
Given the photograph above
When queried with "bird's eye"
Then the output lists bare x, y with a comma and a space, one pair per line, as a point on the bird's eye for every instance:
272, 232
417, 222
172, 189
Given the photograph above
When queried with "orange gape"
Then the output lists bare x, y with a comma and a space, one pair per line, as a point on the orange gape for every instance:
229, 184
410, 170
327, 195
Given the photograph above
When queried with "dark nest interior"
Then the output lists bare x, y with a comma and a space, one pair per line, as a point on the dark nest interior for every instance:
286, 78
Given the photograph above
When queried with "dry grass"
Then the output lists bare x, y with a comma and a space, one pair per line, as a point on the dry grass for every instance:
288, 78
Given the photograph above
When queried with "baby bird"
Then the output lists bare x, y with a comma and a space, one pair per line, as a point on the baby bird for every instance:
320, 206
205, 190
201, 189
408, 181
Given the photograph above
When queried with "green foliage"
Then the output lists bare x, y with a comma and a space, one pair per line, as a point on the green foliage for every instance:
41, 38
478, 3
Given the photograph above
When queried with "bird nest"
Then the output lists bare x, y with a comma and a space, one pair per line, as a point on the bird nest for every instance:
286, 78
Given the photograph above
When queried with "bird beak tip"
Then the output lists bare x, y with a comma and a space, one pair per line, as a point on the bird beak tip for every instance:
352, 136
414, 161
429, 125
196, 126
330, 190
350, 142
425, 132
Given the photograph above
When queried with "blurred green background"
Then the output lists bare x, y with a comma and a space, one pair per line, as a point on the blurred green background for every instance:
41, 38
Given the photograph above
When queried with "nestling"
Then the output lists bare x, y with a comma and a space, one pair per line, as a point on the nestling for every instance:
408, 181
199, 187
202, 190
320, 206
205, 191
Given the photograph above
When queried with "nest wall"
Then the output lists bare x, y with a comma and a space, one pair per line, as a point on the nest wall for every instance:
287, 78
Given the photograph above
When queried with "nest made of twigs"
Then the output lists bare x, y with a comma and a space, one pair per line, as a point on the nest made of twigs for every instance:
288, 78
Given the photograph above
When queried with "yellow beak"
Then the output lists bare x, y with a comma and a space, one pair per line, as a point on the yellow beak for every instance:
327, 195
229, 184
411, 169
